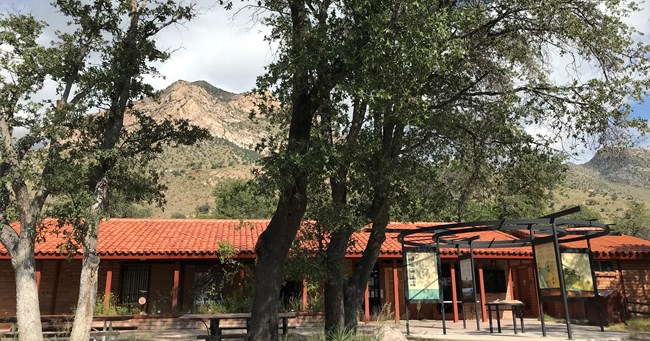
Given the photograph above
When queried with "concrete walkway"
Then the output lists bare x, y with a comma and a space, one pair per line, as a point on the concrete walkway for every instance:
432, 330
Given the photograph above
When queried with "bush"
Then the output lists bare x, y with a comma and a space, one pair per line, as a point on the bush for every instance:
202, 209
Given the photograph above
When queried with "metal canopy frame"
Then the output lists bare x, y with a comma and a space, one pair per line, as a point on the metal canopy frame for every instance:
551, 228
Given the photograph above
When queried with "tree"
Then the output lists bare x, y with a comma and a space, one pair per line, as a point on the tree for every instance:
370, 94
635, 221
83, 159
242, 199
585, 213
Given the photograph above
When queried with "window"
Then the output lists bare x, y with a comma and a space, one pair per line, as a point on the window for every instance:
603, 265
135, 282
495, 280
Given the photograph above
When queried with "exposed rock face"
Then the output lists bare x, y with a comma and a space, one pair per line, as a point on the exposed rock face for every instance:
224, 114
624, 165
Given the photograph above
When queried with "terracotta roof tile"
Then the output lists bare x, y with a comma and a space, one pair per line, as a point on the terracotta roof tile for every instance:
196, 238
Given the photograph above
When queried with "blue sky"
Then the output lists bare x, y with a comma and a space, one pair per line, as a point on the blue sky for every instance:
235, 53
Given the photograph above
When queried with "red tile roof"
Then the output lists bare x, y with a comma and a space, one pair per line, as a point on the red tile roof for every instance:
615, 247
200, 238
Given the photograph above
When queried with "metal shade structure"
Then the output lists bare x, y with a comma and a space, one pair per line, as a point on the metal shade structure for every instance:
544, 236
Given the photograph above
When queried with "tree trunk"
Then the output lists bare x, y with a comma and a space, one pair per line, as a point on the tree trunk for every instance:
357, 282
87, 286
335, 282
272, 250
28, 312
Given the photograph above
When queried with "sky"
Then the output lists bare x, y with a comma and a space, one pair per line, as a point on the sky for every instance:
228, 50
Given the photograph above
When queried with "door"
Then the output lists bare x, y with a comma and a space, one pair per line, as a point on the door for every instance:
374, 291
525, 287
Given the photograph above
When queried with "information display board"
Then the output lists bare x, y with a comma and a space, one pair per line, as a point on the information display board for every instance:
547, 275
467, 279
422, 275
578, 278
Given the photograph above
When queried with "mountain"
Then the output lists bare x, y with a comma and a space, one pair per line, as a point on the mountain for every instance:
226, 115
191, 172
605, 184
608, 182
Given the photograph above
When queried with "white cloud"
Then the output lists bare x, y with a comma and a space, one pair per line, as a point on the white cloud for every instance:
222, 48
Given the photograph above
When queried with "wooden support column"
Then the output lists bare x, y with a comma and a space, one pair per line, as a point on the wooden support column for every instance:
55, 290
396, 291
510, 281
305, 295
107, 287
483, 298
177, 280
39, 270
366, 305
454, 292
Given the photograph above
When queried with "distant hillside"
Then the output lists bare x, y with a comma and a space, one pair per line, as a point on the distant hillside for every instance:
190, 172
605, 184
608, 182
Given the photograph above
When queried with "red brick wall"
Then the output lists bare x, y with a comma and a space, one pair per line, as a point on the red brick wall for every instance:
636, 282
7, 289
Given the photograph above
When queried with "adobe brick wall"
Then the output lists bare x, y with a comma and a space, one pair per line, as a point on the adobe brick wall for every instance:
636, 282
7, 289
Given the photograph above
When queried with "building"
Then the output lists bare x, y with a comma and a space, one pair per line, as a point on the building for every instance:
168, 261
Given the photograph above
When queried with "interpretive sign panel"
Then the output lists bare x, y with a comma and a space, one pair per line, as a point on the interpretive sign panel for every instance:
547, 275
467, 279
577, 273
422, 275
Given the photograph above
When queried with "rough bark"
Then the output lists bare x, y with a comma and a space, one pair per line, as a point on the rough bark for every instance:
87, 286
28, 313
357, 283
273, 245
111, 134
334, 288
378, 214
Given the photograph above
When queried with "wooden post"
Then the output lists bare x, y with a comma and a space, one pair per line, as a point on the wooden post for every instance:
107, 287
177, 279
39, 269
366, 305
480, 278
510, 281
396, 291
305, 295
55, 290
454, 293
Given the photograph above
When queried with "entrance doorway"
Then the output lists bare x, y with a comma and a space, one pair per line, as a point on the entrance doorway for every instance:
525, 289
374, 291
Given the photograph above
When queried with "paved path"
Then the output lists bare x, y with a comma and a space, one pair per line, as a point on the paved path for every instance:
432, 330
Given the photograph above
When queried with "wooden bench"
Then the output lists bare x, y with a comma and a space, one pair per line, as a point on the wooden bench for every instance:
57, 327
215, 329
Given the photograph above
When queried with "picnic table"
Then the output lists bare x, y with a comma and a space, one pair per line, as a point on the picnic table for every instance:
517, 308
215, 328
53, 325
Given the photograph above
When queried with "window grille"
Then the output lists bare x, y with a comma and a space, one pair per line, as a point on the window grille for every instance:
135, 282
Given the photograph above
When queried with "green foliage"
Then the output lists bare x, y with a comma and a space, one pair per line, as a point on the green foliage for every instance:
229, 304
242, 199
585, 213
639, 324
635, 220
177, 215
113, 308
202, 210
227, 252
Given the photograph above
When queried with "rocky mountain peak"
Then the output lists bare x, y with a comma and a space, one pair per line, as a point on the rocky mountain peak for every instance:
623, 165
224, 114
